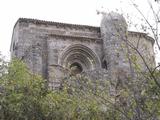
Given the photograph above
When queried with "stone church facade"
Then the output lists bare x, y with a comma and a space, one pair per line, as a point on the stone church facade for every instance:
55, 50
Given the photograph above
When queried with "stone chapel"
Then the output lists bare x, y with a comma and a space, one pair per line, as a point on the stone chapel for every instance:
54, 49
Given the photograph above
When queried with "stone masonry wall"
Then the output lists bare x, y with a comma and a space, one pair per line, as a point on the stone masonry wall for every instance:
51, 48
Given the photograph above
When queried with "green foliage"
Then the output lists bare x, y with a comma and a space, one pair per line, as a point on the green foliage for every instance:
24, 96
21, 92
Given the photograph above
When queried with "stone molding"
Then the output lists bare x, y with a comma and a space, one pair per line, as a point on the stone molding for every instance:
58, 24
99, 40
81, 51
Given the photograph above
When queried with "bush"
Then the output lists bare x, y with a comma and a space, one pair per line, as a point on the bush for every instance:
25, 97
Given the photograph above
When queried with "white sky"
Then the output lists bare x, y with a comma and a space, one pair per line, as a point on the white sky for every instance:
67, 11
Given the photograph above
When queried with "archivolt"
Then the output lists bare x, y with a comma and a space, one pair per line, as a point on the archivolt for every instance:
81, 55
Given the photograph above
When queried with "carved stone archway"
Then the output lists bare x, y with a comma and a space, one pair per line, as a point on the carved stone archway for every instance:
80, 58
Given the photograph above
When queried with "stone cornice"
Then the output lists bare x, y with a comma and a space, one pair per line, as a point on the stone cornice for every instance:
36, 21
137, 34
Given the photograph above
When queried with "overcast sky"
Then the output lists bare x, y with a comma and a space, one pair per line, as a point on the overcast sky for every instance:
67, 11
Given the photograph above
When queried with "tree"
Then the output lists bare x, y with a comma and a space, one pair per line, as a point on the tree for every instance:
24, 96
